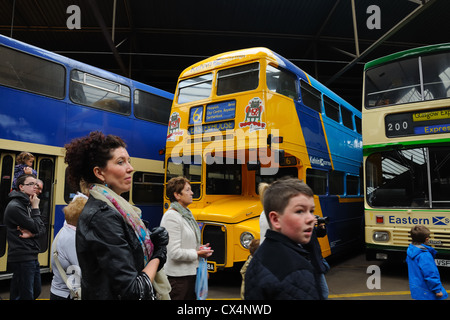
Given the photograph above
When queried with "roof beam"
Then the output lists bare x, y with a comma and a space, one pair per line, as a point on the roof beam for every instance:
107, 35
355, 28
383, 38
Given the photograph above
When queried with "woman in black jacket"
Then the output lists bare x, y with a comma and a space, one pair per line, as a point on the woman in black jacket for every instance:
119, 258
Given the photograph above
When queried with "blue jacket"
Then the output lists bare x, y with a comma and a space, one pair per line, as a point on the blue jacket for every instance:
424, 278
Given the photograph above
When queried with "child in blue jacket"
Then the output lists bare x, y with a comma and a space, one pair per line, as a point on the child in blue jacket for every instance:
424, 278
24, 165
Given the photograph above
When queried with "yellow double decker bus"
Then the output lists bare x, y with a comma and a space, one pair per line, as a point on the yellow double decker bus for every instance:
250, 116
406, 134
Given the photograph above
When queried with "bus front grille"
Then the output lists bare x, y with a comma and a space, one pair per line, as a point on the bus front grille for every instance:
439, 239
216, 236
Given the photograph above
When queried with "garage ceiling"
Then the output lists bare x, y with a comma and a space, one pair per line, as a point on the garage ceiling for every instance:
155, 40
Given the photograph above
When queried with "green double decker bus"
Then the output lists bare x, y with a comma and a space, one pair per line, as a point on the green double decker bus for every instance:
406, 146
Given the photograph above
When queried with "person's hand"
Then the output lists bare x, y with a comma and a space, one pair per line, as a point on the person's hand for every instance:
159, 236
27, 170
34, 200
439, 295
160, 239
24, 233
205, 251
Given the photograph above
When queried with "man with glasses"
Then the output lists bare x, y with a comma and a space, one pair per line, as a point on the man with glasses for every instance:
39, 187
22, 213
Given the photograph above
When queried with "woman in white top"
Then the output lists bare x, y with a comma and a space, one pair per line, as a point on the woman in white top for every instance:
183, 250
65, 246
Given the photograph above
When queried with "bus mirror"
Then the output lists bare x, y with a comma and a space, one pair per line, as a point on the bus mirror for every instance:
273, 139
281, 157
253, 166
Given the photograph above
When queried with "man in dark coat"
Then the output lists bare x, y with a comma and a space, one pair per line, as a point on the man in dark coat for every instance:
24, 226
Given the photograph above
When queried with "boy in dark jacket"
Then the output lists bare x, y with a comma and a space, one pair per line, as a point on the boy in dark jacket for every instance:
424, 278
280, 268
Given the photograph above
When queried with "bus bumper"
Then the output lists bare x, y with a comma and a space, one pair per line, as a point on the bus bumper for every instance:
385, 253
398, 254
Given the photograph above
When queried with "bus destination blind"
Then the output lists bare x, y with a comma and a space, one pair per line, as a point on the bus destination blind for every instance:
417, 123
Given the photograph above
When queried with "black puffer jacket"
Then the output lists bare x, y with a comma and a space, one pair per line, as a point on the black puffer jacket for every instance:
110, 255
18, 212
280, 270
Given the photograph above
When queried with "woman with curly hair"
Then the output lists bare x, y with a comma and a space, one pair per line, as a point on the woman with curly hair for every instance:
118, 256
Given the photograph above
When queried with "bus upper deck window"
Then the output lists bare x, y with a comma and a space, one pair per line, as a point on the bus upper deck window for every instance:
93, 91
26, 72
238, 79
194, 89
282, 82
393, 83
311, 97
151, 107
347, 118
331, 108
436, 76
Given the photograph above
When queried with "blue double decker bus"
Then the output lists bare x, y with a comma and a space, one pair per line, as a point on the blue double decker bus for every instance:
46, 100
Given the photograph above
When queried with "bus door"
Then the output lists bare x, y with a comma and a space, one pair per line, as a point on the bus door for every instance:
7, 173
45, 167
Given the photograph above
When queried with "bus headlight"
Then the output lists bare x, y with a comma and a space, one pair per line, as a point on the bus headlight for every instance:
380, 236
246, 238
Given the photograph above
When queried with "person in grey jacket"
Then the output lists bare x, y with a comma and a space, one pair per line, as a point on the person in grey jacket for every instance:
64, 245
24, 226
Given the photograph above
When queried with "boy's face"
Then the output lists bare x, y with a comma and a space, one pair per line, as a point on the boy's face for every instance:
297, 221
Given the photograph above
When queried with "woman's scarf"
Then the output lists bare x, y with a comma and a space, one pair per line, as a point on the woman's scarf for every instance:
131, 214
189, 217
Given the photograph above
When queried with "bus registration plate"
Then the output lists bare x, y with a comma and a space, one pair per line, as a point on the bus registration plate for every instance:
211, 266
442, 262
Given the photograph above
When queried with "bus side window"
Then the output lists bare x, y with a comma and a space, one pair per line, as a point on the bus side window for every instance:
347, 118
148, 188
44, 77
336, 183
151, 107
310, 96
90, 90
317, 181
358, 124
352, 185
331, 108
